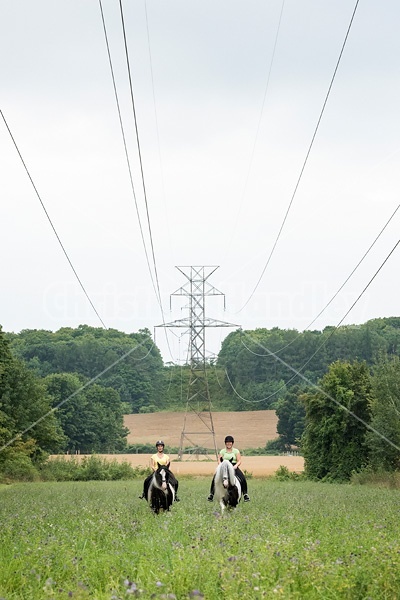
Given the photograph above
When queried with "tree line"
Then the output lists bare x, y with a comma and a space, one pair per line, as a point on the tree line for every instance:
85, 379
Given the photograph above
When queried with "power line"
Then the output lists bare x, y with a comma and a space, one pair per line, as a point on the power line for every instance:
51, 223
125, 145
305, 161
258, 124
156, 121
156, 286
270, 353
346, 280
139, 151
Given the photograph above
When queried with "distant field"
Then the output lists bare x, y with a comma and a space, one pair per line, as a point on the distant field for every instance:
251, 429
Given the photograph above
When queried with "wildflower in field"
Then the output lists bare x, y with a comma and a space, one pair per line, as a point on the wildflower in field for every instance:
82, 585
49, 582
131, 587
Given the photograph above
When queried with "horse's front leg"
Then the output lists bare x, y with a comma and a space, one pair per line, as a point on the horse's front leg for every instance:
169, 496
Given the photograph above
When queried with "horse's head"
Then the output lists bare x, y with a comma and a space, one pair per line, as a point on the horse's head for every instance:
162, 475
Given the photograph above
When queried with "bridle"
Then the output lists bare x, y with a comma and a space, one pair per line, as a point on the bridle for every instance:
163, 475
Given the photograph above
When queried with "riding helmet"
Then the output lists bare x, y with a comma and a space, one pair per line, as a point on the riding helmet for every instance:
160, 443
229, 438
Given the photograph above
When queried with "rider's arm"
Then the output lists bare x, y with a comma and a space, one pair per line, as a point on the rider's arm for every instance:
153, 464
238, 461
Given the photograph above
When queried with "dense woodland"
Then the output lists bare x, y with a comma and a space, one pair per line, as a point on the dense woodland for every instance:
75, 385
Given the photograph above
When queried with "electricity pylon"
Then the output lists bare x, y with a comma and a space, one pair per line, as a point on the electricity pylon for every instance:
198, 399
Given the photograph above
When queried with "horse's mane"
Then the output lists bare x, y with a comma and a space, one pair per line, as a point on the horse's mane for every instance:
227, 486
225, 469
163, 466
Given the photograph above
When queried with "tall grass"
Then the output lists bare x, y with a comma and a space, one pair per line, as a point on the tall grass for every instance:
298, 540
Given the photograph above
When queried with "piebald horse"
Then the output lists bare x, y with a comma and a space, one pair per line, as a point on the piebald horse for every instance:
227, 486
161, 493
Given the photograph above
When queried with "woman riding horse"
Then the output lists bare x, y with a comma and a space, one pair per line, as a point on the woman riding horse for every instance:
233, 455
159, 459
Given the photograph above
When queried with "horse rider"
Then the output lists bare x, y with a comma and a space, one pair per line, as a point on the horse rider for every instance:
159, 458
232, 454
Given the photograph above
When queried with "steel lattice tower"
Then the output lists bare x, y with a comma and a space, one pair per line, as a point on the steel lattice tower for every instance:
198, 400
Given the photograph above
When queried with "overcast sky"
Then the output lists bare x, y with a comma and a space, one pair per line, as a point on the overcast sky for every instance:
227, 102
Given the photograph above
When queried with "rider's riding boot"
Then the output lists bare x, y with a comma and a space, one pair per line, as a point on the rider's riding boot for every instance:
246, 497
177, 499
141, 497
210, 497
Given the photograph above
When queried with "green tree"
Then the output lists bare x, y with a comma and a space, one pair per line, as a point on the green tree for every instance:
334, 440
91, 418
385, 408
28, 426
105, 419
291, 416
70, 407
137, 374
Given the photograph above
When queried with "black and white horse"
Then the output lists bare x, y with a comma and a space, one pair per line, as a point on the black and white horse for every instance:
161, 493
227, 486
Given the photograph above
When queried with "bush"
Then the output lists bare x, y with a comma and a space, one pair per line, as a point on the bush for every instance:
60, 469
384, 479
247, 474
276, 446
140, 449
90, 468
17, 467
283, 474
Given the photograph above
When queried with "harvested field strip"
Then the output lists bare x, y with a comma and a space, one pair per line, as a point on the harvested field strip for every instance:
258, 466
251, 429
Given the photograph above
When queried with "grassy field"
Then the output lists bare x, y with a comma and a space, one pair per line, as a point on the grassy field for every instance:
293, 540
